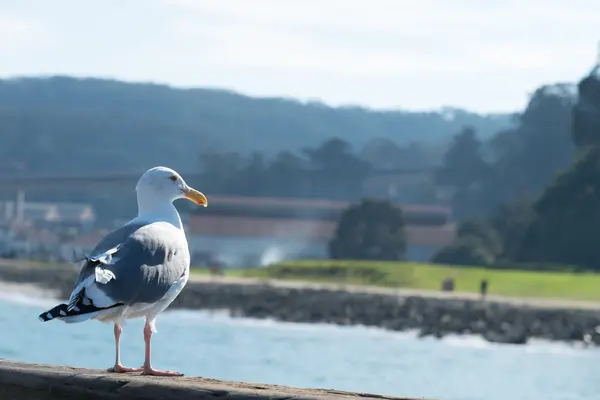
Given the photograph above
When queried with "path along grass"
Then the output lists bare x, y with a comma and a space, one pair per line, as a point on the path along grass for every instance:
559, 285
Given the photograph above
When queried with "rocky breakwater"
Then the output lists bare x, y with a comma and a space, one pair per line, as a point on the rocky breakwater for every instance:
431, 313
434, 314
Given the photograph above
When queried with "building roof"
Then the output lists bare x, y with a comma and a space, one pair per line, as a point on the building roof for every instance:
316, 203
287, 228
313, 209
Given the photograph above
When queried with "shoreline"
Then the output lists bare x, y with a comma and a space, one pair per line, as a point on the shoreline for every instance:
537, 302
497, 319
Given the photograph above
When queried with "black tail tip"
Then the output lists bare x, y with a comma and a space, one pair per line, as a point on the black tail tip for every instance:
58, 311
45, 316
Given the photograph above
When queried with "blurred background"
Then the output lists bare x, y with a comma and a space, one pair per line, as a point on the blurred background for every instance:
424, 146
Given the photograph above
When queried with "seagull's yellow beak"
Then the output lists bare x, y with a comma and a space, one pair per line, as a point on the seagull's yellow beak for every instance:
195, 196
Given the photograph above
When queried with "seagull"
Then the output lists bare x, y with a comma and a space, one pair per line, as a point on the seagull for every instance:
138, 269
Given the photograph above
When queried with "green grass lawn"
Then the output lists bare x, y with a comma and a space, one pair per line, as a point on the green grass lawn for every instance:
559, 285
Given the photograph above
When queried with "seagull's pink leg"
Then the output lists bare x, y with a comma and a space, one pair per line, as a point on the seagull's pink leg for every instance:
148, 370
118, 367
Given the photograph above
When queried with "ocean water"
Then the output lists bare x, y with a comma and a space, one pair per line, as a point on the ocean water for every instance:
309, 355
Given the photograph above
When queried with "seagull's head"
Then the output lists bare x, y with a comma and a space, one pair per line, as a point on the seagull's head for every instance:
162, 183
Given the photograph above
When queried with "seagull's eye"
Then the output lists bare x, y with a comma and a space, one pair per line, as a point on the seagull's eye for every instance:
173, 178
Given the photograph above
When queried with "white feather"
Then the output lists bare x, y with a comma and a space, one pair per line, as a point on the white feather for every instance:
82, 285
100, 275
98, 297
103, 275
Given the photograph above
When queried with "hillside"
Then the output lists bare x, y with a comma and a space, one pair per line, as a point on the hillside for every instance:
62, 124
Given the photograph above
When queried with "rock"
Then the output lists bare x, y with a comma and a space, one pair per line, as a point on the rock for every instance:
510, 336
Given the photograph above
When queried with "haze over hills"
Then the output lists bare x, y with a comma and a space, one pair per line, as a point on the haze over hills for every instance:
63, 124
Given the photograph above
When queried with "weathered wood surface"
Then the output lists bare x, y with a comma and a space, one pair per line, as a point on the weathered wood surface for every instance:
25, 381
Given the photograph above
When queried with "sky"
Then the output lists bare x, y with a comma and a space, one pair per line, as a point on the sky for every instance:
481, 55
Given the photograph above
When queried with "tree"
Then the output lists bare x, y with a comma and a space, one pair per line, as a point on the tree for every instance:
463, 164
221, 170
465, 170
565, 222
545, 131
370, 230
468, 250
511, 221
488, 240
287, 176
253, 179
566, 225
477, 243
384, 153
481, 229
527, 157
586, 113
517, 162
338, 172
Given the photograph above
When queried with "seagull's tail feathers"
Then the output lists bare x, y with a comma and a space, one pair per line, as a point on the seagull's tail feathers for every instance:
79, 313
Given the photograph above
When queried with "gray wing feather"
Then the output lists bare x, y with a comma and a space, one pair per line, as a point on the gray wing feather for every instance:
108, 242
147, 261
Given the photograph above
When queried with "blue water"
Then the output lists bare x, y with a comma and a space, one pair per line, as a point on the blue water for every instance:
309, 355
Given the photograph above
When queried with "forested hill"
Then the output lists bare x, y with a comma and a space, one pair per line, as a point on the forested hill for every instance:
63, 124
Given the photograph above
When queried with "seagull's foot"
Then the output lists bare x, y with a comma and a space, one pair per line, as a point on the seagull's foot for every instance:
118, 368
158, 372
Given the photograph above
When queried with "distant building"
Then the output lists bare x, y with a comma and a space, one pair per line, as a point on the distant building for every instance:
33, 243
38, 214
48, 244
256, 231
81, 245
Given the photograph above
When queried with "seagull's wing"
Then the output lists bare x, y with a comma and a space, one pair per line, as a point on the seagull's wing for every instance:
102, 255
140, 269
